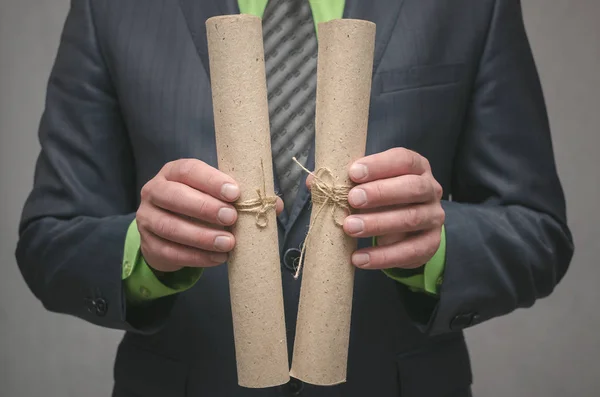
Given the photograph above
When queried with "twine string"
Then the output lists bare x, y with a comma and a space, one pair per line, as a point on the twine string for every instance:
260, 205
324, 192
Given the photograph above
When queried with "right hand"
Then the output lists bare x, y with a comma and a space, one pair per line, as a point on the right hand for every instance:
182, 215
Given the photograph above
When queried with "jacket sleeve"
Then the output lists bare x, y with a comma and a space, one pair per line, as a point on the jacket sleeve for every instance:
507, 242
75, 221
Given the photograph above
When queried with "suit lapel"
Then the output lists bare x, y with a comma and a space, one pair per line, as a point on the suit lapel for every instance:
384, 13
196, 12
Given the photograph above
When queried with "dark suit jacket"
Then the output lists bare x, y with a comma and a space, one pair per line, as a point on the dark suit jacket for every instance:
453, 80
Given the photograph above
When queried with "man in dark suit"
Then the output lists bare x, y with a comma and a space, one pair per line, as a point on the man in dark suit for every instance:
459, 188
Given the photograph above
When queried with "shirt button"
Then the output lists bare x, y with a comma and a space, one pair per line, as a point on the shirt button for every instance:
127, 268
101, 307
290, 259
295, 387
145, 292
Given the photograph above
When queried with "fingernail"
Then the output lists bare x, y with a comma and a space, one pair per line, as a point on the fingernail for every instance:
223, 243
354, 225
226, 216
361, 260
358, 171
219, 258
230, 192
357, 197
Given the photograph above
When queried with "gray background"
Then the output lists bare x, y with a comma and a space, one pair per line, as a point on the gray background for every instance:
549, 350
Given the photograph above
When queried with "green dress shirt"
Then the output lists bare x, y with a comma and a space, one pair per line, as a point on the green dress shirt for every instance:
142, 284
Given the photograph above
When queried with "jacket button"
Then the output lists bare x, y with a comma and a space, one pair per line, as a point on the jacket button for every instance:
90, 305
463, 321
101, 307
290, 259
295, 387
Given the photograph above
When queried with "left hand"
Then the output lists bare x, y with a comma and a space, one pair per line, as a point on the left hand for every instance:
399, 202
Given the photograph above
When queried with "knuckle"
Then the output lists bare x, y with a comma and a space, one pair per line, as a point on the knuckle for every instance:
397, 152
204, 238
382, 258
374, 225
438, 189
421, 187
440, 217
411, 255
203, 210
146, 191
185, 169
165, 227
413, 218
380, 192
415, 161
174, 194
398, 218
402, 156
141, 218
167, 168
210, 178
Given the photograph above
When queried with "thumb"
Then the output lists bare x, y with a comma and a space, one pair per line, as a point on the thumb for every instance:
309, 181
279, 206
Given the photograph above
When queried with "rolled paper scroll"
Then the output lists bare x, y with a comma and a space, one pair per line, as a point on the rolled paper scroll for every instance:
239, 91
344, 74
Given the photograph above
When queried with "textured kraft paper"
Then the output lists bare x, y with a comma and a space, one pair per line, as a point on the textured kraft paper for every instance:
239, 90
344, 75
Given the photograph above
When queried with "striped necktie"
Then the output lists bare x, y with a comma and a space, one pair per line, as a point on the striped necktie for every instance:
291, 65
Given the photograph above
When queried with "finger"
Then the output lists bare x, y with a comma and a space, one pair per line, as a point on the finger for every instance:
393, 162
309, 181
390, 239
403, 219
184, 231
405, 189
410, 253
203, 177
167, 256
184, 200
279, 206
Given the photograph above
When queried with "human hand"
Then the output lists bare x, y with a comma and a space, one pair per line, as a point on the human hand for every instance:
399, 202
182, 215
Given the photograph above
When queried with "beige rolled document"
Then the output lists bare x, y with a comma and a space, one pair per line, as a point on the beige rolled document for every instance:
344, 74
239, 91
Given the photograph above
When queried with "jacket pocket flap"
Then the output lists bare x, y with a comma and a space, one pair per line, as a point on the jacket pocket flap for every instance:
420, 77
